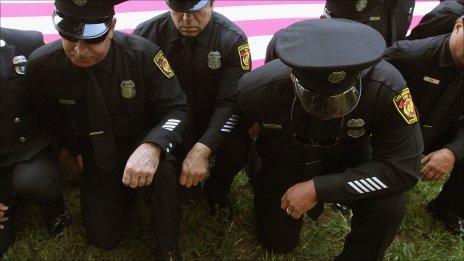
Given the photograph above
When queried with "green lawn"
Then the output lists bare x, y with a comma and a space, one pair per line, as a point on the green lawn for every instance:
202, 237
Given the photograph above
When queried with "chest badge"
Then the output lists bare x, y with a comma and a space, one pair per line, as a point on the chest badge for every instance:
19, 63
80, 2
361, 5
128, 89
214, 60
2, 43
355, 128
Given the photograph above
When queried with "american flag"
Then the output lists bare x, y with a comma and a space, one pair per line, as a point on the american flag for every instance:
259, 19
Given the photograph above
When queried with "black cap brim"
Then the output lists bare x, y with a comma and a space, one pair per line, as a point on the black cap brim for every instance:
80, 30
187, 6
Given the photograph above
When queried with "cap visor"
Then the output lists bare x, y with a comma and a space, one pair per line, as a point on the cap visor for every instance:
80, 30
188, 6
329, 107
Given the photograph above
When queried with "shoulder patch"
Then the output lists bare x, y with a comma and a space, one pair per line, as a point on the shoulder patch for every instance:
405, 106
245, 57
163, 64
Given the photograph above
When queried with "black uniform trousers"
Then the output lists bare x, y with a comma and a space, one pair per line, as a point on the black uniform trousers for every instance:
36, 181
107, 202
451, 197
373, 226
231, 158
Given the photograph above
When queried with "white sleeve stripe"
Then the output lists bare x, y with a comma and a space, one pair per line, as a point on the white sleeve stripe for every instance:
173, 120
233, 119
227, 127
355, 188
168, 128
226, 130
379, 182
230, 123
367, 185
171, 124
373, 183
361, 186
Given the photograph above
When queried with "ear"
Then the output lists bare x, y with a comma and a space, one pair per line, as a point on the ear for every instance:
113, 25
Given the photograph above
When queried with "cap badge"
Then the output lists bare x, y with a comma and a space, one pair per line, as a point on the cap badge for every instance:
163, 64
405, 106
2, 43
80, 2
245, 59
214, 60
361, 5
355, 128
20, 64
128, 89
337, 77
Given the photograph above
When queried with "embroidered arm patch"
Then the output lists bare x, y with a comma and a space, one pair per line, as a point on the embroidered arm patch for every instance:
405, 106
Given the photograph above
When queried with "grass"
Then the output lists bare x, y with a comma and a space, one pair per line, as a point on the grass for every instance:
204, 238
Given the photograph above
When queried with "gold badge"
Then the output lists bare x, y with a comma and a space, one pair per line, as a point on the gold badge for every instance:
361, 5
405, 106
128, 89
20, 64
2, 43
80, 2
245, 57
214, 60
355, 128
163, 64
337, 77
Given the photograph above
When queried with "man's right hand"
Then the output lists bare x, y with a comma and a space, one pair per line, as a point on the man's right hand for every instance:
3, 217
79, 161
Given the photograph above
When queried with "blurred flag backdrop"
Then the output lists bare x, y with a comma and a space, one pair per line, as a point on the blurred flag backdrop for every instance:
259, 19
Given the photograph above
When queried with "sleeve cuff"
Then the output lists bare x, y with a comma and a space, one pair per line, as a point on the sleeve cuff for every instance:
457, 148
328, 188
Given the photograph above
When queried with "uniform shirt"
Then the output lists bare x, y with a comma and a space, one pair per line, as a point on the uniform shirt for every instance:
156, 100
370, 152
220, 56
439, 21
431, 72
23, 130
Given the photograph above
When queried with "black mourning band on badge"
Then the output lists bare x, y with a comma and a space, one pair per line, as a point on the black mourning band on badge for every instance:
72, 30
329, 107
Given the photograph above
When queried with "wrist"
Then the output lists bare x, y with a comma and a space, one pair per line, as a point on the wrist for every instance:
201, 150
154, 148
451, 155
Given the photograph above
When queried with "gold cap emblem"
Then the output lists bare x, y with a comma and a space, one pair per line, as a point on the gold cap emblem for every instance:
80, 2
128, 89
361, 5
337, 77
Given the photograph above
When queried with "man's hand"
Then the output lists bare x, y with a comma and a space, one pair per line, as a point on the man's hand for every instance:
142, 165
195, 166
79, 161
3, 217
299, 199
437, 164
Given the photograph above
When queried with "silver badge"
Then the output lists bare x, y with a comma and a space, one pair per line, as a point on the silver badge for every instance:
2, 43
214, 60
355, 128
80, 2
337, 77
128, 89
20, 64
361, 5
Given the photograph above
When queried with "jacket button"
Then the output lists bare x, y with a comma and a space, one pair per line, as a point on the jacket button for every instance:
22, 139
17, 120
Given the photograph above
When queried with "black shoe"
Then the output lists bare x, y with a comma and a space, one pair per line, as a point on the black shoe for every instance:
341, 207
169, 256
452, 222
58, 224
221, 211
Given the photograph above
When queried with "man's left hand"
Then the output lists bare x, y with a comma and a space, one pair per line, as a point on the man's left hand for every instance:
299, 199
437, 164
142, 165
195, 166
